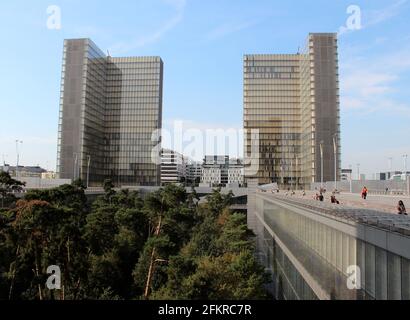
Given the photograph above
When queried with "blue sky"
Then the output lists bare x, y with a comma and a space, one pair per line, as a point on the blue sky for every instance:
202, 44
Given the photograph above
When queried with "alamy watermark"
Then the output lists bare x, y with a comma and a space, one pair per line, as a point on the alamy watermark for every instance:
354, 279
354, 20
196, 142
53, 17
54, 280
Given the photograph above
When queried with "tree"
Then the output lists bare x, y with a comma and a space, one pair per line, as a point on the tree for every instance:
122, 246
8, 186
218, 261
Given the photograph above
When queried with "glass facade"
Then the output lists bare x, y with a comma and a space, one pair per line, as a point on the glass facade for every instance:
271, 105
309, 255
109, 110
292, 99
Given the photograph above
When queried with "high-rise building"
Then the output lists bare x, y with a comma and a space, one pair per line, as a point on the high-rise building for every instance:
110, 110
292, 101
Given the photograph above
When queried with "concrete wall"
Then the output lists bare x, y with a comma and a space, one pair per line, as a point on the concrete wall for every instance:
38, 183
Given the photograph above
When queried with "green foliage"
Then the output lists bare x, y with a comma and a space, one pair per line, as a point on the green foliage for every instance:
165, 246
7, 186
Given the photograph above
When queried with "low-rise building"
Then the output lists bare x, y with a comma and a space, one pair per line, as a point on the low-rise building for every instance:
193, 172
23, 171
173, 167
222, 171
236, 173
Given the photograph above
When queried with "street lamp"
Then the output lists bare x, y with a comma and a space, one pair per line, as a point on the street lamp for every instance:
4, 156
405, 174
18, 156
291, 174
296, 173
75, 166
321, 163
88, 169
390, 164
335, 156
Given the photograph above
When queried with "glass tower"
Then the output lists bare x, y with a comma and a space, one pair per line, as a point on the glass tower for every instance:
110, 109
293, 101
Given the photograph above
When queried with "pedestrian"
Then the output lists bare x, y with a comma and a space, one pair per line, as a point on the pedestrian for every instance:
321, 197
364, 193
387, 190
401, 208
334, 200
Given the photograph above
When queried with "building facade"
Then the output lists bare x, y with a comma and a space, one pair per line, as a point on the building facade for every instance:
222, 171
23, 171
173, 167
235, 173
291, 101
110, 109
331, 253
193, 171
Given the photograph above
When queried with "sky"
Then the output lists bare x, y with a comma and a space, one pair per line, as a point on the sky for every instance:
202, 44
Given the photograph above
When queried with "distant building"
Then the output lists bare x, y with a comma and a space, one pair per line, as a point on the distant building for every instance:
193, 171
293, 101
173, 167
49, 175
215, 171
391, 175
346, 174
221, 171
110, 108
236, 173
22, 171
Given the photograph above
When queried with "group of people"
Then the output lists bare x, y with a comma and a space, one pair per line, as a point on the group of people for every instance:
401, 209
319, 197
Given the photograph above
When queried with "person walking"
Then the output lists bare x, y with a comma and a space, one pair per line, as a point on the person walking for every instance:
364, 193
401, 208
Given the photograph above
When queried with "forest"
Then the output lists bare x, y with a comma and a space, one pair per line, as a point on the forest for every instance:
124, 246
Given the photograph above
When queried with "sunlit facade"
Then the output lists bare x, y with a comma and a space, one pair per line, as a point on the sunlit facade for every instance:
110, 109
292, 100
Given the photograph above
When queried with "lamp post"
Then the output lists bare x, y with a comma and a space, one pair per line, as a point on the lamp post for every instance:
297, 177
88, 169
75, 166
321, 163
291, 174
405, 174
390, 168
390, 163
335, 156
4, 156
18, 142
